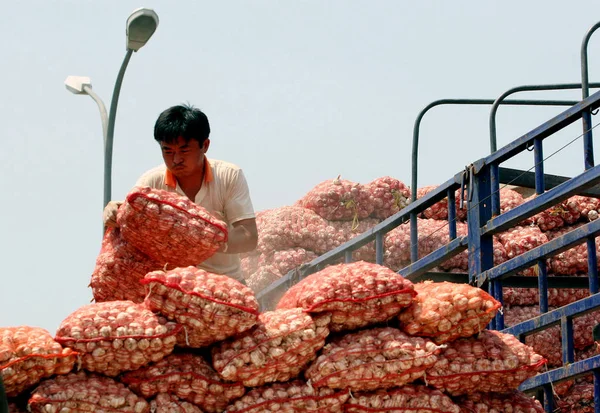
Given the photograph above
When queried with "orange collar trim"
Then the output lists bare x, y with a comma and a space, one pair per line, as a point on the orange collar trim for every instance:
171, 181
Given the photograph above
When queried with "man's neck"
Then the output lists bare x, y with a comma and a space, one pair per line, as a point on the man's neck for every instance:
192, 184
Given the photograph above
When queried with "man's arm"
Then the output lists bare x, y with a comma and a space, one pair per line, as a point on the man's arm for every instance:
243, 237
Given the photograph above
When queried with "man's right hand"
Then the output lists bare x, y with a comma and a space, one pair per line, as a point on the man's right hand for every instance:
110, 213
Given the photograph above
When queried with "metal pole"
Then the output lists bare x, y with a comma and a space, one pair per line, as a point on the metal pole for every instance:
102, 108
526, 88
416, 129
108, 142
586, 117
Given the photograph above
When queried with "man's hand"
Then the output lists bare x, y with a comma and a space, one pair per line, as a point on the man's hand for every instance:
110, 213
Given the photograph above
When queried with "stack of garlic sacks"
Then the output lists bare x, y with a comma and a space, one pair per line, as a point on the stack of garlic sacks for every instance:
353, 337
337, 210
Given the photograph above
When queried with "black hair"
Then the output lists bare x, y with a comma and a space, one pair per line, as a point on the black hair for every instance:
181, 120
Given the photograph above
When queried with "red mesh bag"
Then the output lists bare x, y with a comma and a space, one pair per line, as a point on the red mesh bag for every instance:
170, 228
119, 269
490, 361
210, 307
339, 200
432, 234
564, 213
167, 403
500, 254
295, 227
286, 260
445, 311
571, 261
117, 336
588, 207
515, 402
406, 399
351, 229
28, 355
187, 376
580, 399
372, 359
262, 278
439, 210
82, 392
586, 353
249, 264
277, 349
562, 388
547, 342
519, 240
388, 196
292, 397
509, 199
557, 297
356, 294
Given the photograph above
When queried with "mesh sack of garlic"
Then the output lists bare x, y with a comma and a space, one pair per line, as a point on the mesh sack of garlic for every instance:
406, 399
119, 269
278, 348
371, 359
296, 396
388, 196
84, 392
28, 355
117, 336
285, 260
295, 227
514, 402
187, 376
168, 403
210, 307
170, 228
356, 294
489, 361
579, 399
339, 200
445, 311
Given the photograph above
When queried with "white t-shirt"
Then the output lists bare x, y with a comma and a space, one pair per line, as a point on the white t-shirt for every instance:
224, 193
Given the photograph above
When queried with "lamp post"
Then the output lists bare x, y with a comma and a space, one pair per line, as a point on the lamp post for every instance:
141, 25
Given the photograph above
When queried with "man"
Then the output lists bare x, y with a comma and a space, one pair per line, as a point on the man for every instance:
182, 133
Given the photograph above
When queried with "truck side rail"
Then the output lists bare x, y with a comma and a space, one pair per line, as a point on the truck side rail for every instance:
483, 224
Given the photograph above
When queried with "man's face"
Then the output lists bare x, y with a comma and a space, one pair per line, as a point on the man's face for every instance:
184, 158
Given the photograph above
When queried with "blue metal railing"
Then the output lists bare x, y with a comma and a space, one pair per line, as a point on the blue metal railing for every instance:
483, 225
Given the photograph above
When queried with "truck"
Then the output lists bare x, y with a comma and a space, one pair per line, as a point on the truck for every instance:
479, 185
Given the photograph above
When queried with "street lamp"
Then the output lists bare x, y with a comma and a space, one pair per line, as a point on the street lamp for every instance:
141, 25
81, 85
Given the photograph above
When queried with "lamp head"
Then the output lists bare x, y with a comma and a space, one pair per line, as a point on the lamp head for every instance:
76, 84
141, 25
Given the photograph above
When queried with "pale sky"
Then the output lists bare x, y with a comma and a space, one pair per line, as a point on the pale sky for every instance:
296, 92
